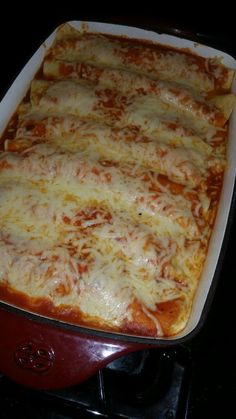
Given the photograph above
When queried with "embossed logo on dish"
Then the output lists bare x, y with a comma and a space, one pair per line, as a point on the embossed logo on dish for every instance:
34, 356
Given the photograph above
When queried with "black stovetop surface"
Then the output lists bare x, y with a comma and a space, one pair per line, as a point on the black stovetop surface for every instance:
205, 368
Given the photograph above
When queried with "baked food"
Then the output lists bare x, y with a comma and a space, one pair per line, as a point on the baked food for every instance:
110, 180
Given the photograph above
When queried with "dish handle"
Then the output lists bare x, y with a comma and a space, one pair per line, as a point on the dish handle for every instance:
43, 356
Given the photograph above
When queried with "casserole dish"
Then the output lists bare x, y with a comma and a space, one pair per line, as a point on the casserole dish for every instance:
33, 351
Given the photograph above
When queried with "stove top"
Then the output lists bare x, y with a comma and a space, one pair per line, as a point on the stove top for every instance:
152, 383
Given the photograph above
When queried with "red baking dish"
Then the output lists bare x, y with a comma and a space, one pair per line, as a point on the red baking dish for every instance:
45, 353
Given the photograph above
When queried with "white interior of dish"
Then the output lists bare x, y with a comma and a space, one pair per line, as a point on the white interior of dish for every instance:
20, 86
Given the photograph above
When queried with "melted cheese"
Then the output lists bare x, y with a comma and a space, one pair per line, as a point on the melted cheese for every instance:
187, 166
147, 113
216, 111
159, 63
127, 187
38, 259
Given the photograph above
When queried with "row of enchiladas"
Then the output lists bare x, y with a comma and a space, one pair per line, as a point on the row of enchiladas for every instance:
110, 177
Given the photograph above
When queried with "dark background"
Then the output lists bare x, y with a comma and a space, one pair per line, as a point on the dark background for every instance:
22, 30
